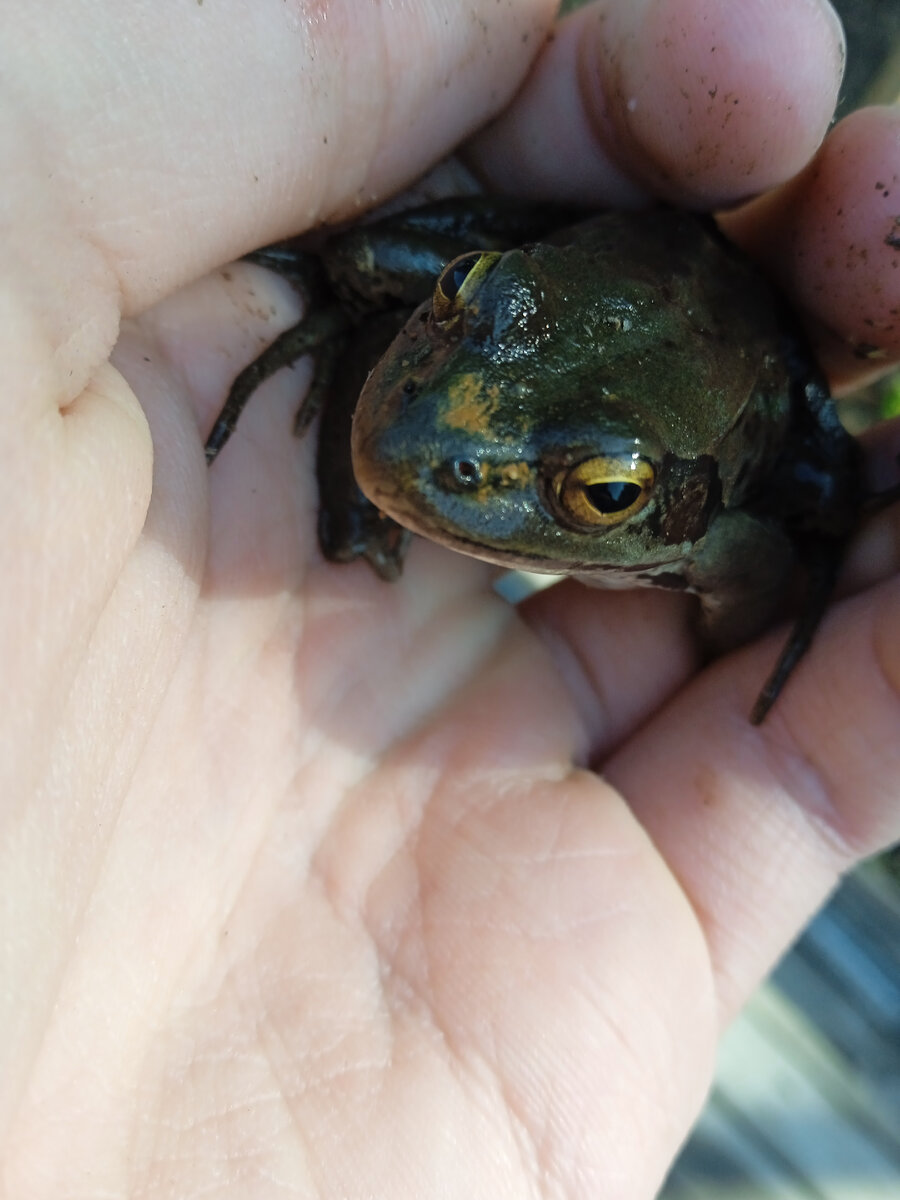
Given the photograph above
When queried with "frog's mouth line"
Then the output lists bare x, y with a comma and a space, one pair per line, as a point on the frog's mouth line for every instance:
409, 518
524, 560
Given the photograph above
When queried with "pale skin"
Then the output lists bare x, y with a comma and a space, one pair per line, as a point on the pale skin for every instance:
312, 885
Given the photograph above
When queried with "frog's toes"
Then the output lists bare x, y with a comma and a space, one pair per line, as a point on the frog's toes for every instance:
361, 531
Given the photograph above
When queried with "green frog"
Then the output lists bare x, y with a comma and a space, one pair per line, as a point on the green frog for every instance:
624, 399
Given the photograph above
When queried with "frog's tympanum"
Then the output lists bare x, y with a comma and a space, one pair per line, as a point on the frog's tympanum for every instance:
625, 400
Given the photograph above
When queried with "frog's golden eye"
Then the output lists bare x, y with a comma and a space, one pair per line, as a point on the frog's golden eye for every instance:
458, 282
604, 491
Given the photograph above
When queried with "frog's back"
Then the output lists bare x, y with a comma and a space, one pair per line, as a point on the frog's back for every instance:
691, 333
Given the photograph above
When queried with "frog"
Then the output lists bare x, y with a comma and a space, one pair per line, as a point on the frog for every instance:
621, 397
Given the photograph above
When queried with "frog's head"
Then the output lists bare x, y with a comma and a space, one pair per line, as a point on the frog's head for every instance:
539, 413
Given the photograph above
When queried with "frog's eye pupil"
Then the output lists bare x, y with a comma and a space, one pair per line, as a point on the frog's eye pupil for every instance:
603, 491
613, 497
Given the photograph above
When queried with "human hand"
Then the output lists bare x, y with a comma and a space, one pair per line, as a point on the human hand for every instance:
309, 882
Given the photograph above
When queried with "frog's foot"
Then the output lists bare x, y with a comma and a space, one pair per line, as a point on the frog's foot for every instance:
326, 362
314, 332
359, 530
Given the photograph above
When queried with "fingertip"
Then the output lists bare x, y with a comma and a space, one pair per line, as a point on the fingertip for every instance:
700, 102
832, 239
847, 222
711, 101
548, 145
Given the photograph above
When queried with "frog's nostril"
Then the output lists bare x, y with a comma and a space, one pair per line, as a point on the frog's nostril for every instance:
454, 476
466, 472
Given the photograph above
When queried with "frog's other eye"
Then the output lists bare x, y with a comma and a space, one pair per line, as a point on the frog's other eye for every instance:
604, 491
459, 281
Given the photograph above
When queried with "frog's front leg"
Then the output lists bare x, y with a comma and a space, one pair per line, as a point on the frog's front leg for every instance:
320, 326
317, 330
742, 572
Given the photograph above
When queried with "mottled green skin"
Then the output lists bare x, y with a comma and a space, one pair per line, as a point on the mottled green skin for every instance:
638, 332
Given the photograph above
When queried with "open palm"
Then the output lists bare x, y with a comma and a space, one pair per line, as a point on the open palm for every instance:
320, 886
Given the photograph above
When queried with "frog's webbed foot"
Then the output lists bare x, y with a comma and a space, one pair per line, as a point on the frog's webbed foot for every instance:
356, 529
317, 331
326, 360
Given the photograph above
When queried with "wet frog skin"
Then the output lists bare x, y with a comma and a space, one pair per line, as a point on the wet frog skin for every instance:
625, 400
359, 286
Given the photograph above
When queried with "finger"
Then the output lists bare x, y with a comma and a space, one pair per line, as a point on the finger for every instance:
832, 239
621, 654
701, 102
759, 822
177, 144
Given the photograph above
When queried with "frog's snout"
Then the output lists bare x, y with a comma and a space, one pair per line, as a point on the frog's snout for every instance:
410, 462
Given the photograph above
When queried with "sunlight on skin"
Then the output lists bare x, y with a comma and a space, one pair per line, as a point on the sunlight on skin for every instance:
832, 239
309, 882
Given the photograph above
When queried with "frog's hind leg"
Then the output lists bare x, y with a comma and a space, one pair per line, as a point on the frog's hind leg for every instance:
299, 267
312, 333
326, 361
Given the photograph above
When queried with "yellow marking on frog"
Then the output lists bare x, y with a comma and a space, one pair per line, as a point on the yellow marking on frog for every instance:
502, 477
470, 406
514, 474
